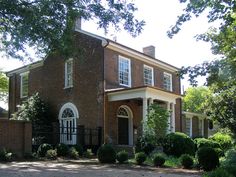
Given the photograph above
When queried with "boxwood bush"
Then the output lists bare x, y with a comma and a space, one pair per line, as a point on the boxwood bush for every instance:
225, 141
207, 158
203, 142
106, 154
219, 172
43, 148
140, 157
186, 161
51, 154
158, 159
177, 144
122, 156
62, 149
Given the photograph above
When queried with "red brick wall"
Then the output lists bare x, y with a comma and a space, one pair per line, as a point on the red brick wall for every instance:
111, 72
16, 136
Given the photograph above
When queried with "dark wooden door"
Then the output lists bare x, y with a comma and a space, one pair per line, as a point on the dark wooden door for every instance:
123, 131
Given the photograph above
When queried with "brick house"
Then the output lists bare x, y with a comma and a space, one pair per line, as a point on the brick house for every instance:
109, 85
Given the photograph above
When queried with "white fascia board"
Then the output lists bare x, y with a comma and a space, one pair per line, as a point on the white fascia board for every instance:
145, 92
24, 69
202, 116
126, 51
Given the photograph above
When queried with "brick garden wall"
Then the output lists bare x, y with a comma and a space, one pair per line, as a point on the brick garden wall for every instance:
16, 136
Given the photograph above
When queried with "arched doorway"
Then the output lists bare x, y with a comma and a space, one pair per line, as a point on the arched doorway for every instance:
125, 125
68, 123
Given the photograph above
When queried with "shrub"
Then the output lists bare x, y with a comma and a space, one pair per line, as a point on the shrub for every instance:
73, 153
203, 142
207, 158
51, 154
231, 169
88, 153
144, 144
43, 148
106, 154
186, 161
230, 158
224, 140
177, 144
122, 156
79, 149
219, 172
5, 155
219, 152
159, 160
140, 157
62, 149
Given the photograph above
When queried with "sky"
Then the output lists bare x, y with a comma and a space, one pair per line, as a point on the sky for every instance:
159, 15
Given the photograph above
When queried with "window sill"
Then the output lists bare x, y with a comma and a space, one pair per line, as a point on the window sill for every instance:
68, 87
125, 85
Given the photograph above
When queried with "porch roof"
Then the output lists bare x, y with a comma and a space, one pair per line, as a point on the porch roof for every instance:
141, 92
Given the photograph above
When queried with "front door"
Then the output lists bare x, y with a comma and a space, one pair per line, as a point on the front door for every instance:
123, 131
68, 131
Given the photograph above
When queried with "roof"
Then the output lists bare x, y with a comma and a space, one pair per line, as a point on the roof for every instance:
107, 43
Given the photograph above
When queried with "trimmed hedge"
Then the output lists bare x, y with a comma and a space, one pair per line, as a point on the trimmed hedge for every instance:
203, 142
62, 149
122, 156
208, 158
140, 157
224, 140
177, 144
186, 161
158, 160
106, 154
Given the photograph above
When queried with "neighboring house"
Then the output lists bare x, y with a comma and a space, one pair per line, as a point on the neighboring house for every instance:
109, 85
196, 125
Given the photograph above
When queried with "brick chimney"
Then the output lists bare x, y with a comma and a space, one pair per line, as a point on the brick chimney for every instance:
149, 50
78, 23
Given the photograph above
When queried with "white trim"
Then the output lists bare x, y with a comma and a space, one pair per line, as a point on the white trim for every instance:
66, 73
71, 106
139, 56
130, 118
171, 84
21, 84
201, 116
129, 68
152, 70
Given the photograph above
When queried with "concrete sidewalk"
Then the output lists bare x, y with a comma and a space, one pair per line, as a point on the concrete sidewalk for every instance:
83, 169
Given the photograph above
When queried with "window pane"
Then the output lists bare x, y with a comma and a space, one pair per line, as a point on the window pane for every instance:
148, 75
25, 85
167, 82
124, 71
69, 73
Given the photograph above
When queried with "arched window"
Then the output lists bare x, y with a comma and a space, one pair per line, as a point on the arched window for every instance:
122, 112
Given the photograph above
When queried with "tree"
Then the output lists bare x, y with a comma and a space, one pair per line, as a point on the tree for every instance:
221, 72
48, 26
3, 87
195, 99
157, 122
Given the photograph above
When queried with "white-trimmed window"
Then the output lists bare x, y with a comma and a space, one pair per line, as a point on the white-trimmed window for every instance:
148, 76
69, 73
167, 80
124, 71
24, 84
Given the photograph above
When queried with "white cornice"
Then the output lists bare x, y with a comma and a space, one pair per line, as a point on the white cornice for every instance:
135, 54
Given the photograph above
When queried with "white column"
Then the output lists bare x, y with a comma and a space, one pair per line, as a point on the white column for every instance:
150, 101
169, 119
173, 116
145, 111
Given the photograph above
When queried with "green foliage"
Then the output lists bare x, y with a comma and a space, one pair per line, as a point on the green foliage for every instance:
43, 148
230, 158
203, 142
177, 144
231, 169
144, 144
73, 153
48, 25
207, 158
62, 149
195, 98
140, 157
3, 87
225, 141
158, 159
34, 109
157, 122
79, 149
122, 156
219, 172
106, 154
186, 161
88, 153
220, 73
5, 156
51, 154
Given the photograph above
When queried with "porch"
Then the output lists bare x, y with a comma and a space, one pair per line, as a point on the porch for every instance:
126, 112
